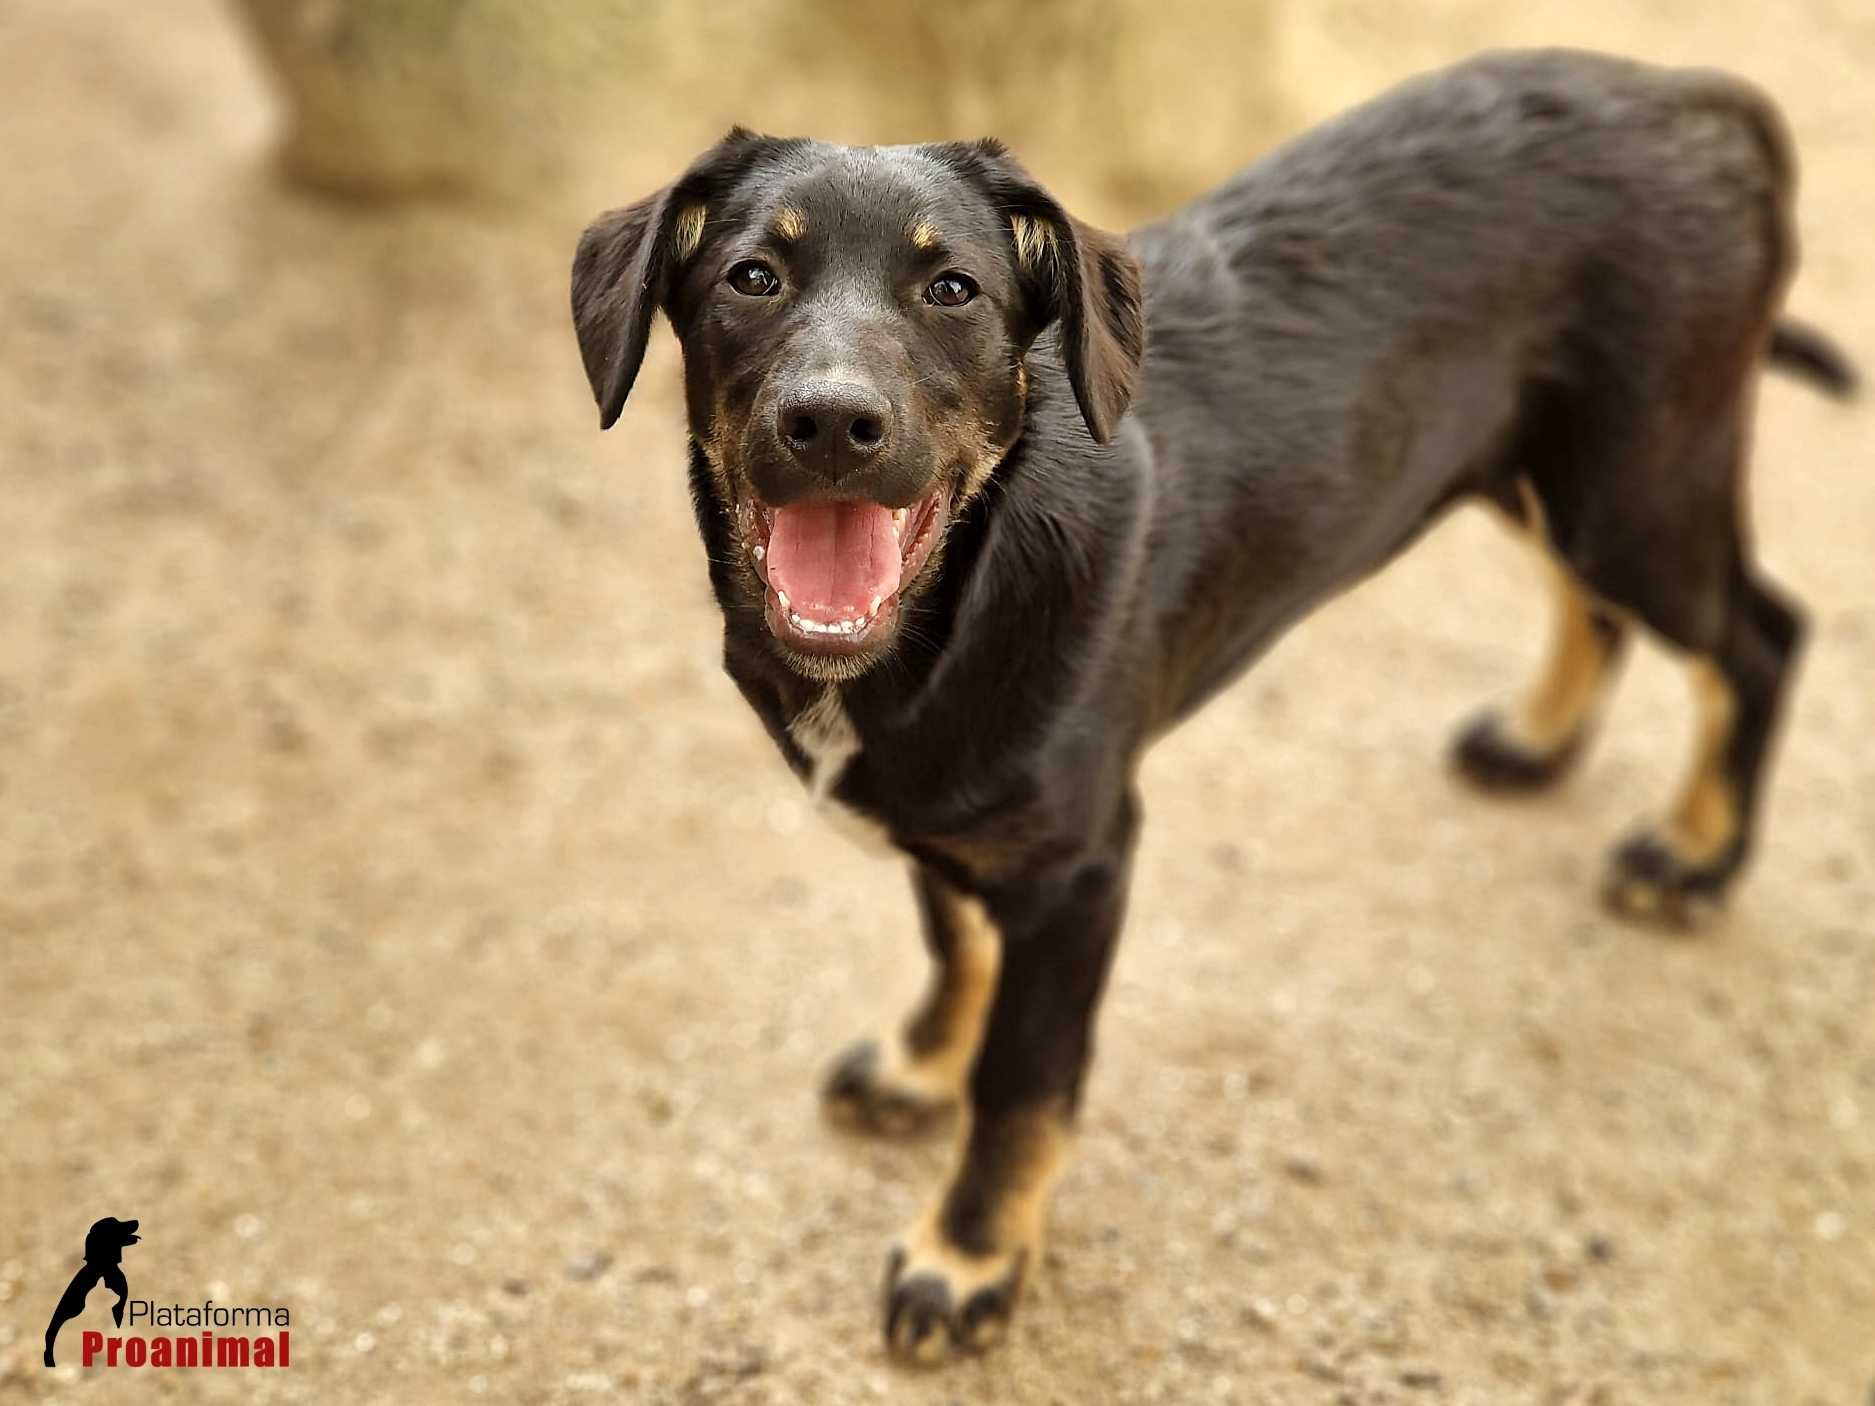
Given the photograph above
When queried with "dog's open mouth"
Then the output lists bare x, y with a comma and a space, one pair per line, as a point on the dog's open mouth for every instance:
834, 570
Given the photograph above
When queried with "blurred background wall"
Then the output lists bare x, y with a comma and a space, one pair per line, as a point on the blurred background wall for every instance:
389, 97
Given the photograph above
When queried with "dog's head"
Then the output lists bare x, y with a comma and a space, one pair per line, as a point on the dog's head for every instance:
854, 323
105, 1241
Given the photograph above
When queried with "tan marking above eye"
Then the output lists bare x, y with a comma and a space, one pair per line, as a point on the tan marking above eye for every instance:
1035, 239
689, 234
923, 236
790, 224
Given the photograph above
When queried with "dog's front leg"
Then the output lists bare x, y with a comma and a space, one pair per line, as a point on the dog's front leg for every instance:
909, 1077
952, 1280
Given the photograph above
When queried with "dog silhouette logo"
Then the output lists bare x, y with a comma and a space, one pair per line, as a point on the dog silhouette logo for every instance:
105, 1244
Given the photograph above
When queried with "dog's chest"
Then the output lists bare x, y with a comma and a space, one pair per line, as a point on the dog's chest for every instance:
825, 733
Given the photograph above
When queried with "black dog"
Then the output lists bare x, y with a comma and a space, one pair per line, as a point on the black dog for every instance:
992, 499
105, 1243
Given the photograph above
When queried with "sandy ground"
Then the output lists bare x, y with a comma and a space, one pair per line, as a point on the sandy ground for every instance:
401, 916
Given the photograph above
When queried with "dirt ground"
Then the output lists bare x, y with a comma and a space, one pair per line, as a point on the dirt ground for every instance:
402, 917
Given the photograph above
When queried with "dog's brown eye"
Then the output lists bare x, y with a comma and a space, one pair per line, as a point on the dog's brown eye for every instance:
754, 279
950, 290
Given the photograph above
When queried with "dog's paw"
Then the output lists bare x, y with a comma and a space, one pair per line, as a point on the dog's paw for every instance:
1487, 753
941, 1300
1649, 881
873, 1087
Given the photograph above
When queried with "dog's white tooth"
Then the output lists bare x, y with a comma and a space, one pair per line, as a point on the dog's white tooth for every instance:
782, 596
873, 609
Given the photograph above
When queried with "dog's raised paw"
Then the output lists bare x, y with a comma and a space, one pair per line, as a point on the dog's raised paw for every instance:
1648, 881
1488, 755
872, 1088
941, 1300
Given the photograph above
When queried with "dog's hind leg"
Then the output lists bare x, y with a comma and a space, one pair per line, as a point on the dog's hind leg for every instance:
1534, 742
1677, 869
1665, 541
910, 1077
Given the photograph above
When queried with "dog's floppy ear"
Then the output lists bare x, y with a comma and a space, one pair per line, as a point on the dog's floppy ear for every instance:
1082, 277
623, 267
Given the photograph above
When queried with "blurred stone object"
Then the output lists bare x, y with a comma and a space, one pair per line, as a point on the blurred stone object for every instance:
1132, 107
1142, 104
389, 98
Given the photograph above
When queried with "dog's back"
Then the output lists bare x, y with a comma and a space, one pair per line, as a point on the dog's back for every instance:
1346, 335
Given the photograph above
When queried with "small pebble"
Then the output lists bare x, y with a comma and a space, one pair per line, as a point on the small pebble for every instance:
1261, 1313
588, 1266
1305, 1170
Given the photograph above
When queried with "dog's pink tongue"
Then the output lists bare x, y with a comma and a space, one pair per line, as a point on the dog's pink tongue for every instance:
832, 560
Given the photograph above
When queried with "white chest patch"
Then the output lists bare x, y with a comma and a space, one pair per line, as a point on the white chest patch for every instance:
824, 731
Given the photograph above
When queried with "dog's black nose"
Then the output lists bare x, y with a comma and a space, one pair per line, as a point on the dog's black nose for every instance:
834, 428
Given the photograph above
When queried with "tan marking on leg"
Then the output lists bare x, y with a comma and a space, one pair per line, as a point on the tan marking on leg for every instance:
1022, 1212
1567, 693
1017, 1224
967, 986
906, 1089
1035, 239
923, 235
689, 233
1705, 818
790, 223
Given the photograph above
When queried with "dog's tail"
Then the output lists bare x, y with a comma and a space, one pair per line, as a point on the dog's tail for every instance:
1804, 351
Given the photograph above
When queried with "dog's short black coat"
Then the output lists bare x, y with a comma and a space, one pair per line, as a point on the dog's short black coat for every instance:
1541, 279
